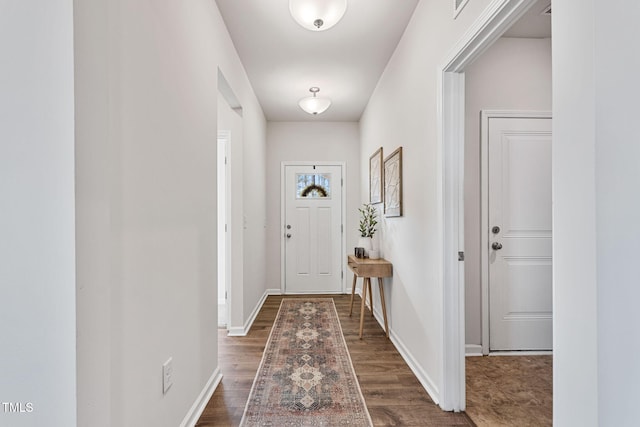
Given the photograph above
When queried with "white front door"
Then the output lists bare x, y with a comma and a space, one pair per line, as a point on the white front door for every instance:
519, 235
313, 228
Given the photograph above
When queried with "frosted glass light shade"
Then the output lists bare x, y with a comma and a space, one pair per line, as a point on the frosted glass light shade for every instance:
314, 105
317, 15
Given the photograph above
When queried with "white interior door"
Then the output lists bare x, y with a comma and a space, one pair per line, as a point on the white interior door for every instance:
520, 293
313, 228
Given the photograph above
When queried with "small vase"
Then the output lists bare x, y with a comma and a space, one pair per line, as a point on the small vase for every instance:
374, 254
365, 242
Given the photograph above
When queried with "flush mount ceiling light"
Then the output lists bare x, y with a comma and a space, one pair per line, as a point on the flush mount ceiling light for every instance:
317, 15
313, 104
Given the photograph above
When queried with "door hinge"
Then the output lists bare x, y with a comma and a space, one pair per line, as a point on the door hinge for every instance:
225, 160
342, 274
225, 295
342, 228
225, 228
341, 182
460, 256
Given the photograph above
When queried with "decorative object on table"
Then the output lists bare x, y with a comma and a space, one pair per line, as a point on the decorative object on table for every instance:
359, 252
375, 177
306, 377
374, 254
368, 221
393, 184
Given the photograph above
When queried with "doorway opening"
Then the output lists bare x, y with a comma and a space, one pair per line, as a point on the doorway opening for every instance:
490, 26
229, 222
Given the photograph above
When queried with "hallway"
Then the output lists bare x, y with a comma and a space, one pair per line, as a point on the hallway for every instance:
392, 393
110, 112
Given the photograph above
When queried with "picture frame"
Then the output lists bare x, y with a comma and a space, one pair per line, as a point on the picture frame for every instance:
376, 184
393, 184
458, 5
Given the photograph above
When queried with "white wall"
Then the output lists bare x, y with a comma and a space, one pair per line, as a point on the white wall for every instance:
513, 74
575, 326
617, 154
147, 136
97, 251
37, 248
402, 112
254, 192
310, 141
597, 235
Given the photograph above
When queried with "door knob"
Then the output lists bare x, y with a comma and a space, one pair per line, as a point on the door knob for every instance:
496, 246
288, 235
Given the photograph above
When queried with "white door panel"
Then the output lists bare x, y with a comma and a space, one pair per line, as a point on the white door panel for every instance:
325, 247
313, 229
520, 259
302, 240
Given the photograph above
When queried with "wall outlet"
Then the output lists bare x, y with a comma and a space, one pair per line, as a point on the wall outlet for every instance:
167, 375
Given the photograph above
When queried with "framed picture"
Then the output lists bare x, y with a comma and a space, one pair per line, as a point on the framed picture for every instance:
458, 5
393, 184
375, 177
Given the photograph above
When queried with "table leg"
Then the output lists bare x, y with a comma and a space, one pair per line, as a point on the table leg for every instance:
364, 298
353, 291
384, 306
370, 298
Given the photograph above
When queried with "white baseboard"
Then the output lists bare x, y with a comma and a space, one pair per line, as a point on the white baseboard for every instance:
244, 330
473, 350
522, 353
426, 381
236, 331
198, 406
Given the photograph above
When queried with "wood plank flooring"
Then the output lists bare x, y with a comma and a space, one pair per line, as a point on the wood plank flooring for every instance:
510, 390
393, 394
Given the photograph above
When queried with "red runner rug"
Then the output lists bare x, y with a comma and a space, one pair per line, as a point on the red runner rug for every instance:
306, 377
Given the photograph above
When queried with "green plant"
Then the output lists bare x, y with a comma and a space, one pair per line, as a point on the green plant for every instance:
368, 220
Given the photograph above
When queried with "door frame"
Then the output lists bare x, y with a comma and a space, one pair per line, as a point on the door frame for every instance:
485, 116
497, 17
224, 137
343, 216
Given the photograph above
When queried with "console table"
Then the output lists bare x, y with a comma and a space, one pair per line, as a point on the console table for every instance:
368, 268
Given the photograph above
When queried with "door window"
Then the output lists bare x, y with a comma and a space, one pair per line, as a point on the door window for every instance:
313, 186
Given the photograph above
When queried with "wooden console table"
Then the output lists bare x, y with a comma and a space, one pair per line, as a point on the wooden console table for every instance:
368, 268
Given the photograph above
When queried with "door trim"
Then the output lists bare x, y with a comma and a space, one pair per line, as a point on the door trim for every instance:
485, 115
343, 215
496, 18
224, 137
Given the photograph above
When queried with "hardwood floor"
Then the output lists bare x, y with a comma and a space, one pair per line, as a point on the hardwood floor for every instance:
510, 390
392, 393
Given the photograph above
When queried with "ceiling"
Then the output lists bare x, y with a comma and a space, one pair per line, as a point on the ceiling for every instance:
534, 24
283, 60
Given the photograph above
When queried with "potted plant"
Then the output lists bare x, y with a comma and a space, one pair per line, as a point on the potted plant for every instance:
368, 222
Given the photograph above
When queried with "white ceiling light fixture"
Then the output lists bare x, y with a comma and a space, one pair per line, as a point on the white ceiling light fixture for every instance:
317, 15
314, 105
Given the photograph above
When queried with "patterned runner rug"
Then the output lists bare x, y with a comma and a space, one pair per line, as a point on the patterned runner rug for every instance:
306, 377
